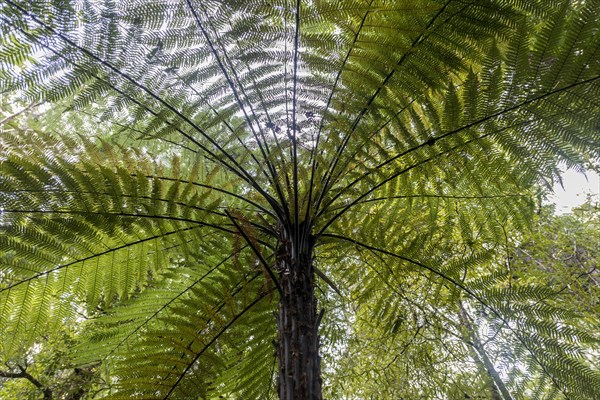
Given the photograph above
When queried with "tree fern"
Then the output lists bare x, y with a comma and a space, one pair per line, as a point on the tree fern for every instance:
364, 167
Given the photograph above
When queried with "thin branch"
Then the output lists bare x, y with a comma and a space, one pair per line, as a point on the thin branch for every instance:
328, 281
269, 120
476, 344
12, 116
129, 196
459, 285
243, 92
120, 195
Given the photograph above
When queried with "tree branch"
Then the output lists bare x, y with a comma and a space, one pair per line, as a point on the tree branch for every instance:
10, 117
482, 355
26, 375
461, 286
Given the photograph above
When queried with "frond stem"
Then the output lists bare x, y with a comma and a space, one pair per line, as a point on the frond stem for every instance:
296, 221
265, 150
313, 158
214, 339
256, 251
238, 168
435, 196
467, 126
109, 251
164, 306
418, 40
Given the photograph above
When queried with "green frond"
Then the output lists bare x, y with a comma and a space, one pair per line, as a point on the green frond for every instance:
166, 152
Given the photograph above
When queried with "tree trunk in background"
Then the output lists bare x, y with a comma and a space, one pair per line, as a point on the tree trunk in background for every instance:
298, 323
498, 389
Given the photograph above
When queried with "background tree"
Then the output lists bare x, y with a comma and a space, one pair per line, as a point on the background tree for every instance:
551, 270
215, 177
45, 371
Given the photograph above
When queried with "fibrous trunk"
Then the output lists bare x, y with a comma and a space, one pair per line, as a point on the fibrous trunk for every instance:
298, 344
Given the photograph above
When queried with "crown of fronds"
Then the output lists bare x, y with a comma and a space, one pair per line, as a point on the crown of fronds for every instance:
177, 139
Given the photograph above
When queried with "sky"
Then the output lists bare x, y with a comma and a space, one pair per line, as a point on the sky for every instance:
576, 186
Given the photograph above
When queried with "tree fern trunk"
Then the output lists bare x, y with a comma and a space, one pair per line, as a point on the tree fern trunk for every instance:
298, 344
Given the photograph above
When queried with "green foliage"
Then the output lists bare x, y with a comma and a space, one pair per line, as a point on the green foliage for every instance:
49, 370
165, 145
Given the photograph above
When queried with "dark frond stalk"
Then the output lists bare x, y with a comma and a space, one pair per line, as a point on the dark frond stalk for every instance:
211, 342
294, 127
215, 188
235, 166
330, 171
313, 158
251, 242
438, 196
168, 303
452, 132
298, 322
394, 176
262, 142
95, 255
